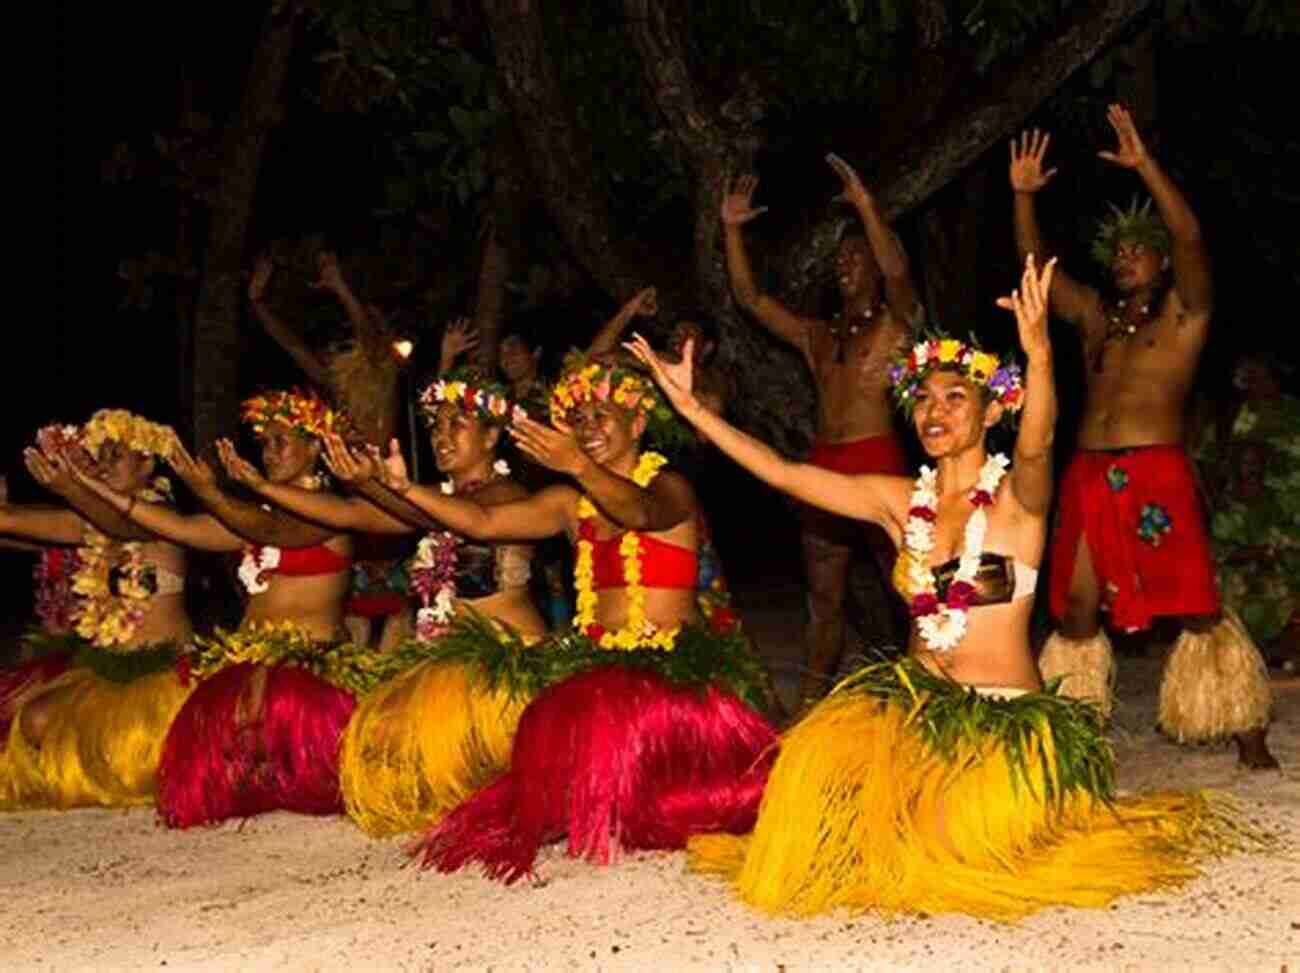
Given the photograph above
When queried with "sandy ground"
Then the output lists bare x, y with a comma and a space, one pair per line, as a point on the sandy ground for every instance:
110, 890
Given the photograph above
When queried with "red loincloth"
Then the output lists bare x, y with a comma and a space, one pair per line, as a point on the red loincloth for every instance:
1141, 515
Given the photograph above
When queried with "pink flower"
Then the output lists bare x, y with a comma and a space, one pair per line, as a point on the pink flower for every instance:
981, 498
960, 594
924, 604
922, 513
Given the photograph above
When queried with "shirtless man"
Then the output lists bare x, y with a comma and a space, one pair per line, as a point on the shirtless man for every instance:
848, 356
1131, 538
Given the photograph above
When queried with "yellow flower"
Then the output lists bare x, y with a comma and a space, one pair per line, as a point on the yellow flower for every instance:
949, 349
982, 366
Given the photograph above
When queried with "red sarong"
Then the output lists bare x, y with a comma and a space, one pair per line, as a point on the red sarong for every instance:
1141, 515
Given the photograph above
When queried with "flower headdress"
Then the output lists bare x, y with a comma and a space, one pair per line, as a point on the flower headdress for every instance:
302, 410
585, 379
474, 392
132, 431
1140, 224
1002, 379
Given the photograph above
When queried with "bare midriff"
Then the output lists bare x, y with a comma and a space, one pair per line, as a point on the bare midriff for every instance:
513, 607
852, 395
664, 607
1139, 395
166, 620
994, 653
313, 603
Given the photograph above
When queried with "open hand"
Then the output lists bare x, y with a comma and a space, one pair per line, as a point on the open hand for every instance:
262, 271
1131, 152
644, 304
555, 448
676, 379
348, 465
737, 206
1029, 304
458, 337
51, 472
1027, 175
237, 468
854, 191
196, 474
390, 467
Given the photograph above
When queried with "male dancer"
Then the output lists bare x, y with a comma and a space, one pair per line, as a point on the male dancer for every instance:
1131, 537
848, 356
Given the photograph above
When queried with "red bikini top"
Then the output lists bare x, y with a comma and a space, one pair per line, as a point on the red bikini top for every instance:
663, 565
302, 562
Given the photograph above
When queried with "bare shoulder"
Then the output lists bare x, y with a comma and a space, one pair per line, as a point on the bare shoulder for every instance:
502, 491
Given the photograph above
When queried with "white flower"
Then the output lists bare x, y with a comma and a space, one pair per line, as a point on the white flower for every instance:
922, 354
444, 605
448, 487
501, 468
254, 566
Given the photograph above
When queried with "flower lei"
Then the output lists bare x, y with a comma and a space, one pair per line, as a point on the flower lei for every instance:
473, 392
302, 410
56, 603
432, 571
114, 583
942, 624
639, 632
258, 560
983, 368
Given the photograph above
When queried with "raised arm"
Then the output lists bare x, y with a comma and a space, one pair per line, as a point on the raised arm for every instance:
55, 474
737, 210
665, 503
1031, 474
199, 531
886, 247
458, 337
866, 497
1070, 299
284, 336
1192, 279
610, 336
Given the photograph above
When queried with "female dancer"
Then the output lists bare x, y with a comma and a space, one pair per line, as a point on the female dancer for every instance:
93, 735
262, 730
950, 781
646, 731
423, 741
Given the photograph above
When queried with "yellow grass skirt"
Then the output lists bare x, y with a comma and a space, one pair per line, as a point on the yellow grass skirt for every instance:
922, 797
101, 745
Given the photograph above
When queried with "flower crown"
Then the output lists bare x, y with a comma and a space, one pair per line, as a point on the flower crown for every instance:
133, 431
302, 410
1140, 224
586, 380
474, 392
907, 372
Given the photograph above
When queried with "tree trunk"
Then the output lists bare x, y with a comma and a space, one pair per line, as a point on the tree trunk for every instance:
500, 242
215, 393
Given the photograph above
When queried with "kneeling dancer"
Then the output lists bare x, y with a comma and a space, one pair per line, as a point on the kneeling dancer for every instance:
646, 728
952, 781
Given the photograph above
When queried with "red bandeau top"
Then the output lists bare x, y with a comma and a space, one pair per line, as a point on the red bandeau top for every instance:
663, 565
302, 562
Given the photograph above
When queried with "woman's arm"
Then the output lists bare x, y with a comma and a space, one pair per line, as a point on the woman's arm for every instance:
55, 474
643, 303
52, 525
1031, 474
865, 497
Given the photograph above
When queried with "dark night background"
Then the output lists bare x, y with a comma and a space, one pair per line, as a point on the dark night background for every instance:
339, 167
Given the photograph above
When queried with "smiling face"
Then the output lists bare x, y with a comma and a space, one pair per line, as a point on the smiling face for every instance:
951, 413
286, 454
855, 268
606, 432
123, 468
1136, 265
517, 362
461, 442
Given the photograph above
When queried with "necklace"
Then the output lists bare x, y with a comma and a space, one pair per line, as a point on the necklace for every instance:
1121, 325
843, 326
942, 624
638, 632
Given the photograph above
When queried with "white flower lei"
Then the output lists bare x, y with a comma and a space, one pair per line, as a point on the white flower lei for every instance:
258, 560
944, 625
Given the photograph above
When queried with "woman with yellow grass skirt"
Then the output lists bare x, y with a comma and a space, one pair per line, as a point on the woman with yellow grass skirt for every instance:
953, 781
438, 729
93, 734
261, 730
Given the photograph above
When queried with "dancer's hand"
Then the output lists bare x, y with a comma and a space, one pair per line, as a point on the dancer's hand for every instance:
737, 206
1131, 152
458, 337
237, 468
1027, 175
51, 472
200, 477
351, 466
1029, 304
555, 448
390, 467
676, 379
262, 271
329, 275
854, 192
644, 304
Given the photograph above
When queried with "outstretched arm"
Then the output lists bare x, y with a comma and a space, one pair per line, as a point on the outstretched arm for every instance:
1070, 299
609, 337
55, 474
52, 525
737, 210
284, 336
891, 258
864, 497
1192, 278
665, 503
1031, 475
249, 520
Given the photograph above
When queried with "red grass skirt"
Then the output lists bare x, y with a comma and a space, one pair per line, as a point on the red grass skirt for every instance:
227, 756
615, 758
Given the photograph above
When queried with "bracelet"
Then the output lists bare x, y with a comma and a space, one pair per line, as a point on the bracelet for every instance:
130, 505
